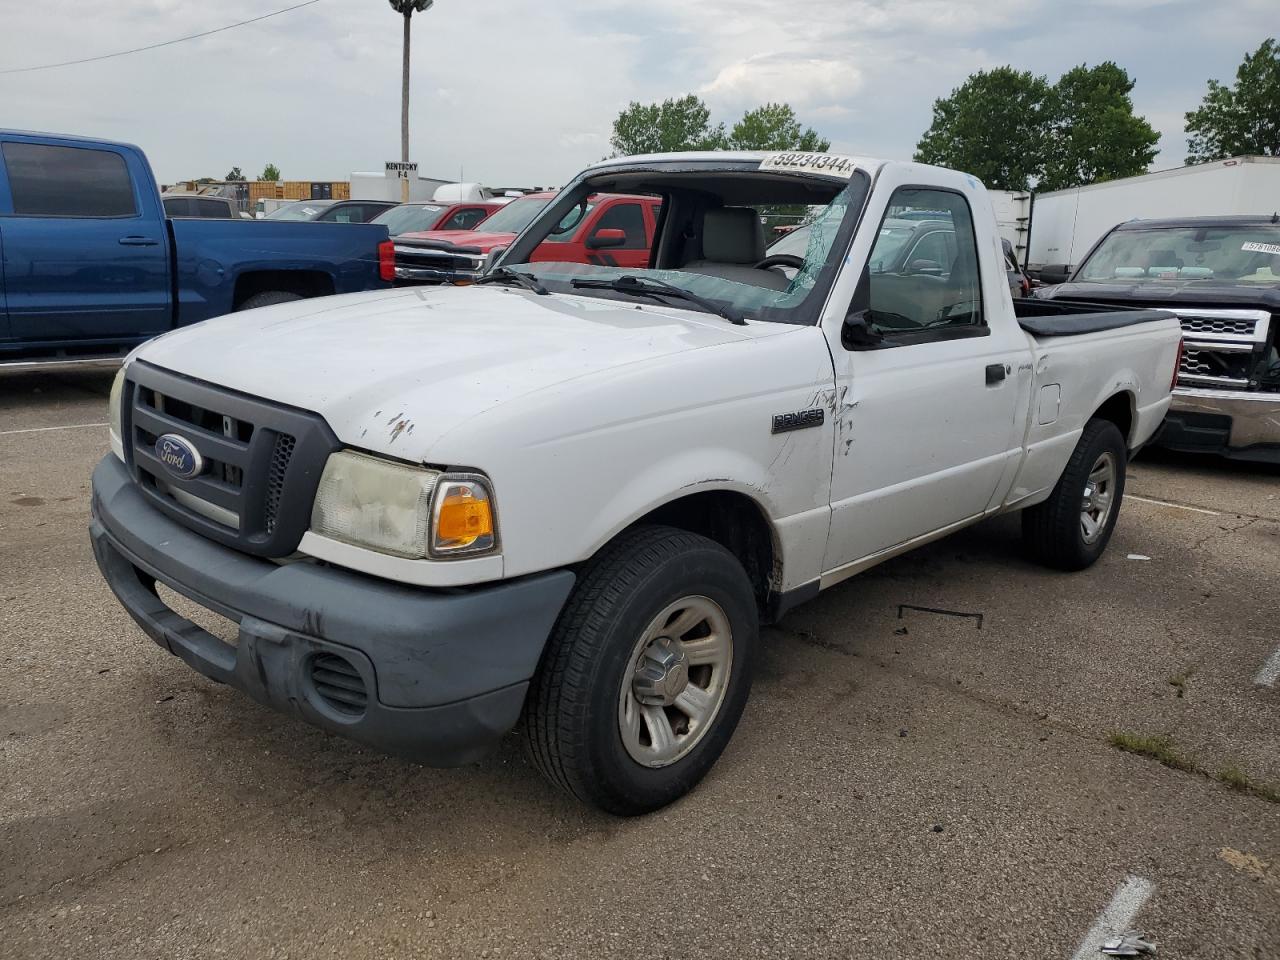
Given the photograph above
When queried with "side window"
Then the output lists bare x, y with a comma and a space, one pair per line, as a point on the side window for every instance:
930, 281
213, 209
629, 218
177, 207
67, 181
931, 249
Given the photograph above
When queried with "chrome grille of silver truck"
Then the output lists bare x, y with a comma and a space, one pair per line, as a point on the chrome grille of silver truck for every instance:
1222, 346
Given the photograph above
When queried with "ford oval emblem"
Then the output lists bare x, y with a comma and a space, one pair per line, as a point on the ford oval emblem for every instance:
179, 456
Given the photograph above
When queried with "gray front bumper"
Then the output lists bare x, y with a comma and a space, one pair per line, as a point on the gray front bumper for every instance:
444, 672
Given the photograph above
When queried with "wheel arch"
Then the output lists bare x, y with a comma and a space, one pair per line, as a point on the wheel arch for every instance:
732, 518
1121, 409
305, 283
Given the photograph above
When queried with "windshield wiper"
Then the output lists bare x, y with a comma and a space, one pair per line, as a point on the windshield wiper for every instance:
526, 280
649, 287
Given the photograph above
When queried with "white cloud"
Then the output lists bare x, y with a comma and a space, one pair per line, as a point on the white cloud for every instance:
800, 81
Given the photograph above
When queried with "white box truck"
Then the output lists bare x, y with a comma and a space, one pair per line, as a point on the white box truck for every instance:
1065, 224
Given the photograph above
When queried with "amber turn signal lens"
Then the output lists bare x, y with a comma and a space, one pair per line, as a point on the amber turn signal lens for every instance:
464, 517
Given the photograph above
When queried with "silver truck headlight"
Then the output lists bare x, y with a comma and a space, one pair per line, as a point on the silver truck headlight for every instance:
113, 407
403, 510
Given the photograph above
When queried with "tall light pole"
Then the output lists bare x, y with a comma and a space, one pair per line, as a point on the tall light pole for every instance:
406, 8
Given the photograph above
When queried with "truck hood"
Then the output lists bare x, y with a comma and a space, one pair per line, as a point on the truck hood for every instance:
479, 239
393, 371
1174, 293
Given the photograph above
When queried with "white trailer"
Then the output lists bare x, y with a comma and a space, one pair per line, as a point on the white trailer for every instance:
379, 186
1013, 218
1065, 224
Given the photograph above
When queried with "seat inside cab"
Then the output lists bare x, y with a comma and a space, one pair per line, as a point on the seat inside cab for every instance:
732, 244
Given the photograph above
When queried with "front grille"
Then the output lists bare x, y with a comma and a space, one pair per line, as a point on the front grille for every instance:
1201, 325
276, 473
261, 461
338, 683
1223, 348
1211, 365
437, 257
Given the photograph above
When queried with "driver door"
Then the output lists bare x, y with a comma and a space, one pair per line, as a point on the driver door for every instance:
926, 417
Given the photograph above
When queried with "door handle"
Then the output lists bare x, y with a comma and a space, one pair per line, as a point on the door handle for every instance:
138, 242
996, 372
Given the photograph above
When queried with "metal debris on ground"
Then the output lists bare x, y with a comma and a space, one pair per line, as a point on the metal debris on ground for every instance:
1132, 943
1138, 556
977, 617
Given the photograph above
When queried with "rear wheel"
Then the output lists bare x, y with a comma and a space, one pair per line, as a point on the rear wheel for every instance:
267, 298
1071, 529
646, 673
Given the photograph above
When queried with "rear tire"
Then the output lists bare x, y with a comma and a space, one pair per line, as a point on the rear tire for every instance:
267, 298
646, 672
1071, 529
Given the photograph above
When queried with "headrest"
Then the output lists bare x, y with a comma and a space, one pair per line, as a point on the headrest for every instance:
732, 235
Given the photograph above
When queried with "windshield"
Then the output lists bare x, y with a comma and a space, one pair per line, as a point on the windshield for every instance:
563, 232
1236, 254
889, 245
302, 210
715, 241
516, 215
409, 217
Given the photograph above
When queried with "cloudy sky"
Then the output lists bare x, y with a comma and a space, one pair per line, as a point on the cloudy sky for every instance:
524, 91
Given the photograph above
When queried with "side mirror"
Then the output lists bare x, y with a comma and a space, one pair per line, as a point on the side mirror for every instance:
606, 237
1055, 273
493, 257
925, 266
856, 332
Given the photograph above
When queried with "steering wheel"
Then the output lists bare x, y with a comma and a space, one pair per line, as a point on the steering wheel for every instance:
781, 260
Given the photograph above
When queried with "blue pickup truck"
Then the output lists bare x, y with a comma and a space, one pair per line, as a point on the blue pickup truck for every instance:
90, 266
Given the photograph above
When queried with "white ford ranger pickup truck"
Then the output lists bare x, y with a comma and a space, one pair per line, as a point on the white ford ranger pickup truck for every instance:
566, 496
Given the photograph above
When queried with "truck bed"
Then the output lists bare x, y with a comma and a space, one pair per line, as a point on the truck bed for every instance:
1049, 318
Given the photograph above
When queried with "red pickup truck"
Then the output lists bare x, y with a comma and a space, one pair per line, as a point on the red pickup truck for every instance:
611, 229
416, 217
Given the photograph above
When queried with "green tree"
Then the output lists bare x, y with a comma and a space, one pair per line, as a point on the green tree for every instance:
992, 127
673, 125
1240, 120
234, 175
270, 173
774, 127
1093, 132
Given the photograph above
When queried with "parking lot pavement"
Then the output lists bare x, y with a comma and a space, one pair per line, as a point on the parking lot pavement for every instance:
904, 782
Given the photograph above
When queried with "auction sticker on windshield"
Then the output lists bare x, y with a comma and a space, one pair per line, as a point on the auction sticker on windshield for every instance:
1272, 248
831, 164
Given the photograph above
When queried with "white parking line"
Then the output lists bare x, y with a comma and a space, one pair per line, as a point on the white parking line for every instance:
70, 426
1270, 671
1176, 506
1115, 919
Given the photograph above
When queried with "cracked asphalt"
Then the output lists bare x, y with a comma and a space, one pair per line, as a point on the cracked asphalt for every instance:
904, 783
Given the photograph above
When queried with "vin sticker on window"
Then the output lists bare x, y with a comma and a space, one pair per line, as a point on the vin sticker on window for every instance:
1271, 248
831, 164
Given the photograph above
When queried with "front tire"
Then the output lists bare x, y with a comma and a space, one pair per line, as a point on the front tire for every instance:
646, 672
1071, 529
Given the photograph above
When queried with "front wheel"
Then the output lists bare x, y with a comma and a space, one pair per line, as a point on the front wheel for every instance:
1071, 529
646, 673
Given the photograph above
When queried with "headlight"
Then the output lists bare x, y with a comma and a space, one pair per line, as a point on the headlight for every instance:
113, 406
402, 510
